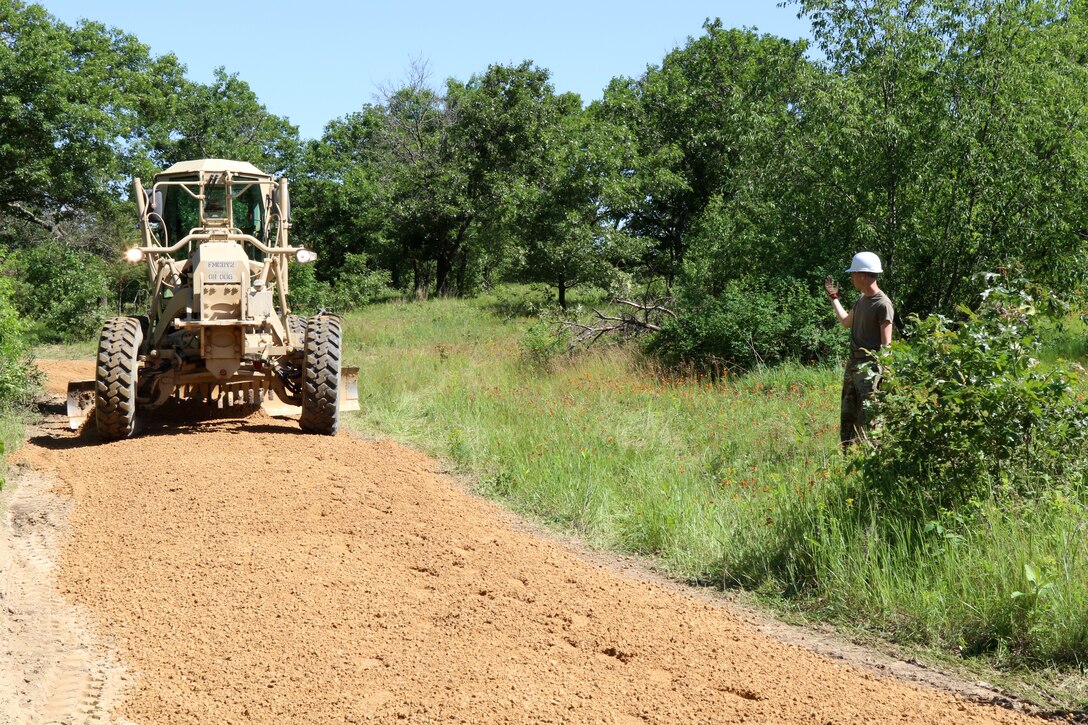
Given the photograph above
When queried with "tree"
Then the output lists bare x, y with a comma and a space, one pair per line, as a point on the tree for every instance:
340, 207
704, 123
223, 119
954, 134
450, 161
565, 236
72, 109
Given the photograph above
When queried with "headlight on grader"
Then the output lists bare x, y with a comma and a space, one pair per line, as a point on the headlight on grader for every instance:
305, 256
134, 255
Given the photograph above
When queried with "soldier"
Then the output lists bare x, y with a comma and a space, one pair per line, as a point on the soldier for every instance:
870, 323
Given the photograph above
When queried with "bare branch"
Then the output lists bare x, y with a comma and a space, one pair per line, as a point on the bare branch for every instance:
646, 308
622, 325
627, 320
20, 212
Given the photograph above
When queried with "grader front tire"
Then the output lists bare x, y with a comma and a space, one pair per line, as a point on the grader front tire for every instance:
321, 376
116, 377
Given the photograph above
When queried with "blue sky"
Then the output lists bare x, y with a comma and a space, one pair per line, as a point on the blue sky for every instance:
319, 60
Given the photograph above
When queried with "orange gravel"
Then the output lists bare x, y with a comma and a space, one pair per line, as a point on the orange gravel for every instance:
250, 573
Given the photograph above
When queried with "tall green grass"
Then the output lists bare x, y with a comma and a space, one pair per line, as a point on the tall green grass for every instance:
606, 444
734, 481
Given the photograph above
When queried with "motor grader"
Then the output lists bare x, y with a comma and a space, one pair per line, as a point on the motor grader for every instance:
218, 327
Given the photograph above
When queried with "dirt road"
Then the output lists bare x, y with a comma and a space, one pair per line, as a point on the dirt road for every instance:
236, 571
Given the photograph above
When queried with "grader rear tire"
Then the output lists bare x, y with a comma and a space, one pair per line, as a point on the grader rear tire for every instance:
115, 378
321, 376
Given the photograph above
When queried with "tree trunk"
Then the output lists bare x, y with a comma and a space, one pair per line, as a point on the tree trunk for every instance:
462, 265
442, 275
562, 295
420, 281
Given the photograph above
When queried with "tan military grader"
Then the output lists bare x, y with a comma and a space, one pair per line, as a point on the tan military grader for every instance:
218, 328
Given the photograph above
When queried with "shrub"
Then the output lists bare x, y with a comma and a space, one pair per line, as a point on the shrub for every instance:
542, 343
355, 285
752, 322
61, 291
966, 410
18, 376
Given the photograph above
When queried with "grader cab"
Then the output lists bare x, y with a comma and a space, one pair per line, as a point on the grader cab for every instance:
217, 328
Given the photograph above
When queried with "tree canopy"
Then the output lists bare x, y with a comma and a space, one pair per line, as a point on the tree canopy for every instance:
947, 137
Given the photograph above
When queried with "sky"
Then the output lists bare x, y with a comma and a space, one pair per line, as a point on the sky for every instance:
318, 60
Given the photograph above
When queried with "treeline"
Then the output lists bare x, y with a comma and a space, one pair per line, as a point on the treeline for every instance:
949, 137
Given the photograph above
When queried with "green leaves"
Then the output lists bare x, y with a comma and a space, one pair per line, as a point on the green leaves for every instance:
966, 410
223, 119
949, 138
18, 376
752, 322
73, 104
708, 124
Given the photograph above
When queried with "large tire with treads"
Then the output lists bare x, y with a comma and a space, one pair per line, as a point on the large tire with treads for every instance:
115, 378
321, 376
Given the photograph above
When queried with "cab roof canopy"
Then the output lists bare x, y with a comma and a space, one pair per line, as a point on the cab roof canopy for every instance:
214, 165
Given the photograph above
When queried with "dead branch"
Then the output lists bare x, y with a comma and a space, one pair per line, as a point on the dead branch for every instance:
16, 209
646, 308
584, 334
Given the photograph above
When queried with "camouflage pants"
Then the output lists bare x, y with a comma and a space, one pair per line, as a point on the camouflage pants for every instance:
858, 385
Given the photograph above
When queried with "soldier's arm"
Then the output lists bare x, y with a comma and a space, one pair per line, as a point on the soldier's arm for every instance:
845, 318
886, 333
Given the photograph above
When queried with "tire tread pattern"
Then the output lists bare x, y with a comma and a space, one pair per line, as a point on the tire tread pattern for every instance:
116, 377
321, 376
296, 325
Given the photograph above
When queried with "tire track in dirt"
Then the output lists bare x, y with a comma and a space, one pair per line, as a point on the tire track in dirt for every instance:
250, 573
52, 668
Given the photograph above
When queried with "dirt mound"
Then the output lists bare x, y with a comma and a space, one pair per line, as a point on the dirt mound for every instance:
250, 573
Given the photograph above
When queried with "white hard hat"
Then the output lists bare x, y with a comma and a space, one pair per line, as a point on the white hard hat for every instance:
865, 262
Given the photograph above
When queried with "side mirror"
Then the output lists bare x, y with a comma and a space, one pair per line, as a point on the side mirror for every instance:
159, 206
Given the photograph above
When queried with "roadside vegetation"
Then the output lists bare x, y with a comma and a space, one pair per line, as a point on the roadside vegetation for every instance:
977, 552
18, 377
697, 207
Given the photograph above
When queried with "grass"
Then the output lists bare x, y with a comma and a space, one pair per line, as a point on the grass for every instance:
730, 482
86, 350
609, 446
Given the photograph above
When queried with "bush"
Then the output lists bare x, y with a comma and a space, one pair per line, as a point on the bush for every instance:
61, 291
542, 343
753, 322
966, 411
19, 377
355, 285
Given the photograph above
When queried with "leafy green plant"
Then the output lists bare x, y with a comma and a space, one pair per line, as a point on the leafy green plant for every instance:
752, 322
966, 410
61, 291
18, 375
540, 344
354, 286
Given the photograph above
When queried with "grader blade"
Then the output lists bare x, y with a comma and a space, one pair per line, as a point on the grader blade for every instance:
349, 396
80, 402
349, 388
276, 408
